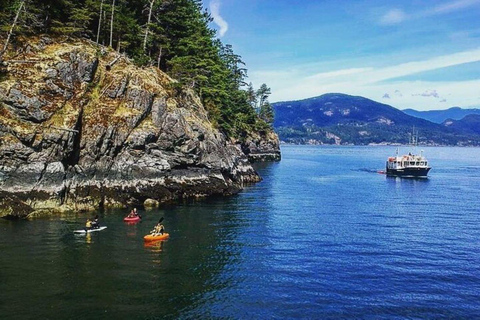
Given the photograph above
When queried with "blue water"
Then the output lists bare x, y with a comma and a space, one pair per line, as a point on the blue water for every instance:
323, 236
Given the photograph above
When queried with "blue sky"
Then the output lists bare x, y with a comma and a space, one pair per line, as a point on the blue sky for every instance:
419, 54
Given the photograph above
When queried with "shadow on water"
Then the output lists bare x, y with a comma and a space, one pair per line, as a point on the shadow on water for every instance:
112, 271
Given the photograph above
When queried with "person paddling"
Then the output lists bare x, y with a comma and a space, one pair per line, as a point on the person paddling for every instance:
159, 229
94, 223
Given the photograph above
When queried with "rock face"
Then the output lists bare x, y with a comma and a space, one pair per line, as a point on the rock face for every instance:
264, 146
82, 128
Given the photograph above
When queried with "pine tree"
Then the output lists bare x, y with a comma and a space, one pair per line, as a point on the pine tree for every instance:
252, 97
147, 26
99, 21
111, 22
172, 34
12, 27
265, 108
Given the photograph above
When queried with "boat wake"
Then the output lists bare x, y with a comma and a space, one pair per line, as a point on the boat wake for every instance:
369, 170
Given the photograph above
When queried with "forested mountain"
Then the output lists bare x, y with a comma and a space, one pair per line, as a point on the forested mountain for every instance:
343, 119
171, 34
439, 116
469, 124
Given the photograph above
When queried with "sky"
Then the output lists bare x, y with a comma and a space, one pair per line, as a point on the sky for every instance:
419, 54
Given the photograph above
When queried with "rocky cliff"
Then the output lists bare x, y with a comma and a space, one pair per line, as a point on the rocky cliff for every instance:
82, 128
262, 146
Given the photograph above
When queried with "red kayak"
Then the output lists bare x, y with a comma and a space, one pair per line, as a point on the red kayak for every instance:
131, 219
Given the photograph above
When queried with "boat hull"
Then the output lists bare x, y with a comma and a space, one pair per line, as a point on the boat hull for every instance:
408, 172
131, 219
151, 237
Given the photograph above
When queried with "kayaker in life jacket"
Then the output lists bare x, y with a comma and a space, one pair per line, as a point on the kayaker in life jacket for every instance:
158, 229
88, 225
131, 214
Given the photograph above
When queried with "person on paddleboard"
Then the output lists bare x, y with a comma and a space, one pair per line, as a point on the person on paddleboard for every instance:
94, 223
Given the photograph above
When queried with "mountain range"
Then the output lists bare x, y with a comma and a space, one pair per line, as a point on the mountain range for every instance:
440, 116
337, 118
470, 124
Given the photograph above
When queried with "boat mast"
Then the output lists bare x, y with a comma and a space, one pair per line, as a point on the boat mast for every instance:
414, 140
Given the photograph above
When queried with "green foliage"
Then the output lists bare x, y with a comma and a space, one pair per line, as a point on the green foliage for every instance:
266, 113
172, 34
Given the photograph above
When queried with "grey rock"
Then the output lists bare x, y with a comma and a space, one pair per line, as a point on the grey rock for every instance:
118, 89
137, 145
30, 108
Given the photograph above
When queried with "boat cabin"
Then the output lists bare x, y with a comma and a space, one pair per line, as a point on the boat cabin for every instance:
407, 161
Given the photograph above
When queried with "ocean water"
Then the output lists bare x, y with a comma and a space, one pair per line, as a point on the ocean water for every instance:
323, 236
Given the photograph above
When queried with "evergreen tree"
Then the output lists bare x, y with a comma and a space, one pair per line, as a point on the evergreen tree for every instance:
172, 34
266, 113
99, 26
264, 107
4, 17
252, 97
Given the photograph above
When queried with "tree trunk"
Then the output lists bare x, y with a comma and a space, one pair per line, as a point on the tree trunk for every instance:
148, 24
159, 57
99, 21
11, 28
111, 24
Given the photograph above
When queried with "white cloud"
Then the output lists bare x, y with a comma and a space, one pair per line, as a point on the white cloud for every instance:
453, 6
434, 63
300, 83
217, 18
397, 16
427, 93
338, 73
394, 16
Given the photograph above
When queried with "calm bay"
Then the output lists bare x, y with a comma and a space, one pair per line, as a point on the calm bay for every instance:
324, 235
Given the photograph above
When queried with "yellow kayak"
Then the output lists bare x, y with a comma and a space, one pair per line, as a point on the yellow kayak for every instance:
156, 237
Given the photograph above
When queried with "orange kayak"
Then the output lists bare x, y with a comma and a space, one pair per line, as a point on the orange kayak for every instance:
151, 237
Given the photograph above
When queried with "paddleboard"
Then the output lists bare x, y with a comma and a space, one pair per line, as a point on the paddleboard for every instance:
90, 230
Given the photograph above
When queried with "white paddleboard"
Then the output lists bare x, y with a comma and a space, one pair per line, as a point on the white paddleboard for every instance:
90, 230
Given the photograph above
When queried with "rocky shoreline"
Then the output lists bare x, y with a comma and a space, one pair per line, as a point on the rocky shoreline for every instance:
82, 128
